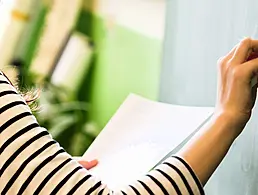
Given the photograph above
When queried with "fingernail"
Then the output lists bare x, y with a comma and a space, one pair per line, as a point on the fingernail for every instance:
94, 161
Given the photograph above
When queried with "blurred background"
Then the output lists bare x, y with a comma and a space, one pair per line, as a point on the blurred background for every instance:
85, 56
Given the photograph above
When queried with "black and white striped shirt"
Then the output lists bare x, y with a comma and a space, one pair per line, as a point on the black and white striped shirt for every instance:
31, 162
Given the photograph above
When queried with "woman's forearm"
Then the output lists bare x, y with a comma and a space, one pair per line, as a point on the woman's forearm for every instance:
209, 146
236, 96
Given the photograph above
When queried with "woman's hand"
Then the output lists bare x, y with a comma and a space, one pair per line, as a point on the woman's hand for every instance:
86, 164
235, 101
236, 95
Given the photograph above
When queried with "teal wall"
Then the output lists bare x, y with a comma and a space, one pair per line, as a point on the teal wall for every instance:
197, 34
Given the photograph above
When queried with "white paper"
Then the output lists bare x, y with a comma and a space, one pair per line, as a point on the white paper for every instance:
139, 135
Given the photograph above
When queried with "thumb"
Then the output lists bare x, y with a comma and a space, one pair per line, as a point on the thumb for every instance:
252, 67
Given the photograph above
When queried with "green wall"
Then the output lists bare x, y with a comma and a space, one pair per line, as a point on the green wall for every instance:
125, 62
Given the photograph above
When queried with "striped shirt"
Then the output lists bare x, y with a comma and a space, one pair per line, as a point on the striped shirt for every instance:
31, 162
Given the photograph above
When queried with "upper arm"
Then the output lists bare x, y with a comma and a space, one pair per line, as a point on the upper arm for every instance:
33, 163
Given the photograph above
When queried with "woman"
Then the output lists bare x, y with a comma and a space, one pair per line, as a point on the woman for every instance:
33, 163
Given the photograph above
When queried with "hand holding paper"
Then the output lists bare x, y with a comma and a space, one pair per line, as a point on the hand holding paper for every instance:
139, 136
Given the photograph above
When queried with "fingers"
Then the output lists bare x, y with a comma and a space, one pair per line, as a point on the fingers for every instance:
231, 53
252, 56
88, 164
252, 69
244, 49
251, 66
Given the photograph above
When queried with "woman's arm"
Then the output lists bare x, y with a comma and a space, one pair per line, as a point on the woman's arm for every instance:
31, 162
207, 149
235, 101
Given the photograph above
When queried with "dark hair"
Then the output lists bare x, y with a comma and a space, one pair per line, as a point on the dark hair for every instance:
30, 96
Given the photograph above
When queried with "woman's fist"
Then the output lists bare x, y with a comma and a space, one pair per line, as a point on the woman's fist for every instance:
236, 95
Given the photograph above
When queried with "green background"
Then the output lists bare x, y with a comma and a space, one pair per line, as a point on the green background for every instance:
125, 62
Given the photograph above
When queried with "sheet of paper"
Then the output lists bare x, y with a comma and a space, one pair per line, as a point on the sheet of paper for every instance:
139, 135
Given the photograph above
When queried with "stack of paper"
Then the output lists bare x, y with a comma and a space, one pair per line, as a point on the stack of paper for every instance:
139, 136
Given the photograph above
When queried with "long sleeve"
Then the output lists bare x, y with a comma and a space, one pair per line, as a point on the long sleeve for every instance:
31, 162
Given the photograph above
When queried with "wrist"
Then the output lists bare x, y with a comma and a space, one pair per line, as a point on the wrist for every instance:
231, 122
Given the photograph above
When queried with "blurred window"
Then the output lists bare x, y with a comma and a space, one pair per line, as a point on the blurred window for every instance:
5, 9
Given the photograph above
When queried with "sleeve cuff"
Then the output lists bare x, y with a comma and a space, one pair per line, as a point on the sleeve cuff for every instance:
189, 174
